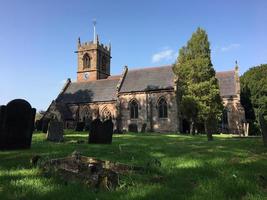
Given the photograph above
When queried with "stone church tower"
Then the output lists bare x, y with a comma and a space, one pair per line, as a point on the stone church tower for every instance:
93, 61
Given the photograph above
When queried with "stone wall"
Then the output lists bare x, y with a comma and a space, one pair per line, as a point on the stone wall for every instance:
93, 110
235, 115
148, 111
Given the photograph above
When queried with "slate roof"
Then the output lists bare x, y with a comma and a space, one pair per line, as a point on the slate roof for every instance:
227, 83
137, 80
148, 79
92, 91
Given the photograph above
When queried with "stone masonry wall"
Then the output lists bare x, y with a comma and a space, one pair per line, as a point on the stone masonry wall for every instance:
147, 108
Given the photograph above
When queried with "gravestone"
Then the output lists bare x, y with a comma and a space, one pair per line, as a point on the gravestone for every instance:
79, 126
16, 125
45, 125
133, 128
2, 118
101, 133
107, 131
95, 131
55, 131
38, 125
143, 129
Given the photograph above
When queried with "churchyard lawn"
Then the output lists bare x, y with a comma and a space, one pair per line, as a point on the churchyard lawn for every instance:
190, 168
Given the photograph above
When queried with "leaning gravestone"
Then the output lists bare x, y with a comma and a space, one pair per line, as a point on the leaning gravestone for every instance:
55, 131
16, 125
101, 133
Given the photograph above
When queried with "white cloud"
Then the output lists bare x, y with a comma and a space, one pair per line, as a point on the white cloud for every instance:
230, 47
164, 55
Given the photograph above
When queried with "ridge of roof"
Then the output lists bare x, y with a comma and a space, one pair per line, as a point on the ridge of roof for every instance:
224, 72
150, 68
114, 78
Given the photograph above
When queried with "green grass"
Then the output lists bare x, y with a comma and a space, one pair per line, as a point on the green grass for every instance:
191, 167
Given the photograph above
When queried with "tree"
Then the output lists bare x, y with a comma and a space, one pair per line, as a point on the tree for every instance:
254, 94
196, 83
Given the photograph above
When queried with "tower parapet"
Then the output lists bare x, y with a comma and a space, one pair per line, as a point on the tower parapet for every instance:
93, 60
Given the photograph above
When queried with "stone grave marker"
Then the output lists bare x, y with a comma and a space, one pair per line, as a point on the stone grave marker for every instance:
101, 132
55, 131
143, 129
107, 131
133, 128
38, 125
16, 125
45, 125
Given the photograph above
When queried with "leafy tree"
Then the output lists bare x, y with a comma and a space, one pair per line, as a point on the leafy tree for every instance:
254, 94
197, 86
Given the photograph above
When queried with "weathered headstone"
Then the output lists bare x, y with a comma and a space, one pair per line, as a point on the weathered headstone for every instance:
38, 125
95, 131
133, 128
107, 131
79, 126
16, 125
101, 133
143, 129
55, 131
45, 125
263, 125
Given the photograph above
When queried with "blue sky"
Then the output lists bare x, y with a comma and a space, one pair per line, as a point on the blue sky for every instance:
38, 38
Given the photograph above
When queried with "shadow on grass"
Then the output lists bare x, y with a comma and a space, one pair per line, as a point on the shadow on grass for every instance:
191, 168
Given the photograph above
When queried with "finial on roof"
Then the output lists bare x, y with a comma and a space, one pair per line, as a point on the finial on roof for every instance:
109, 46
94, 23
97, 39
79, 41
236, 66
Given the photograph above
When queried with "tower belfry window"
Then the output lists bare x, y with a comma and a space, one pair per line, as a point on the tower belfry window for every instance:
104, 64
86, 61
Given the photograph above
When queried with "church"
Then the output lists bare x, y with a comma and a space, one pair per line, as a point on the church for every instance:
137, 98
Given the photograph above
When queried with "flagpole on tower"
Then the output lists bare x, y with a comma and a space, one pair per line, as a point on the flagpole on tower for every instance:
94, 23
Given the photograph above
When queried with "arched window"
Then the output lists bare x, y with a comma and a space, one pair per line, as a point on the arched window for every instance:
86, 61
162, 108
105, 114
225, 116
133, 110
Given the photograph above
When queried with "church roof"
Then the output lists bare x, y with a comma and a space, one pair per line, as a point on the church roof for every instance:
227, 83
148, 79
92, 91
137, 80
